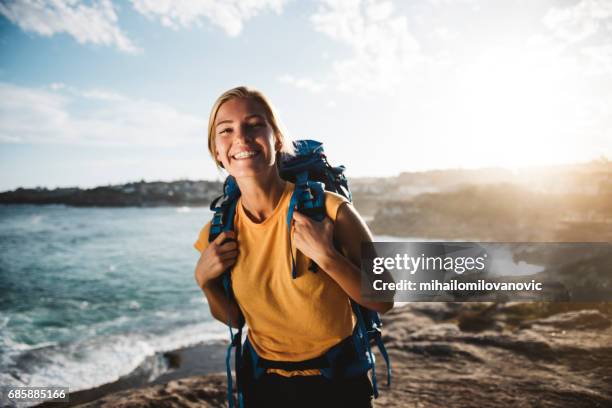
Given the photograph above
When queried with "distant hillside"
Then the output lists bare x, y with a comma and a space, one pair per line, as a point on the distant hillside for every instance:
139, 194
557, 203
498, 212
589, 178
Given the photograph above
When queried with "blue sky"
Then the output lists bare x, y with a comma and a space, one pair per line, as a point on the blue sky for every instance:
99, 92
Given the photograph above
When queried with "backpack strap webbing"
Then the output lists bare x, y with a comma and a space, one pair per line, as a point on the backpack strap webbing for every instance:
365, 343
375, 333
224, 208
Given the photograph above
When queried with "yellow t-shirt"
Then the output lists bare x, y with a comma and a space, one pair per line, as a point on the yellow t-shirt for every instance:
288, 319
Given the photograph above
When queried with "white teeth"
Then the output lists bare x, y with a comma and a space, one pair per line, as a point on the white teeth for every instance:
244, 155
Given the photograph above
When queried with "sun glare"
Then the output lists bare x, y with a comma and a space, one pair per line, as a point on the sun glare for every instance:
509, 104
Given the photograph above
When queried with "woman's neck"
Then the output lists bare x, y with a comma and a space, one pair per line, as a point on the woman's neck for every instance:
260, 195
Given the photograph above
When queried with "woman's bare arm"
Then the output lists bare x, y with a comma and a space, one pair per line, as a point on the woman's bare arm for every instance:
221, 308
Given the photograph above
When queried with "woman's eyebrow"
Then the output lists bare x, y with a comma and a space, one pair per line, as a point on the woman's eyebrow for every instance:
255, 115
223, 121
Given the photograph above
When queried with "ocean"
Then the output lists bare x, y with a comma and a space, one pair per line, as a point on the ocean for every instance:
89, 294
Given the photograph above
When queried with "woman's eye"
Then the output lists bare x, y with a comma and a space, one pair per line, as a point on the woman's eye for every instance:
224, 131
256, 124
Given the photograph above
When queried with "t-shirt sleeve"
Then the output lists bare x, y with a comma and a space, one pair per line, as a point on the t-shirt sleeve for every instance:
333, 201
202, 242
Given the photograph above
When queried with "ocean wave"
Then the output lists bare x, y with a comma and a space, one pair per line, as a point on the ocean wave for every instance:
4, 320
198, 300
133, 305
10, 345
36, 219
99, 360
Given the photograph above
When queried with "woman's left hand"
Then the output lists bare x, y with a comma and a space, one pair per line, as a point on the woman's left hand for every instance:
313, 238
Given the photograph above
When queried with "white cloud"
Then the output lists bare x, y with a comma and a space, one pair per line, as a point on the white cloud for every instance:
444, 3
57, 86
599, 59
383, 50
585, 26
580, 21
229, 15
103, 95
92, 117
303, 83
444, 34
95, 23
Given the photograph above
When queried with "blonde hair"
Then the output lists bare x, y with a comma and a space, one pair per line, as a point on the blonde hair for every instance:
243, 92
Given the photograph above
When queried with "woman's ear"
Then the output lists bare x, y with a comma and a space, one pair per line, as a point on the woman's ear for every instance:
218, 160
278, 146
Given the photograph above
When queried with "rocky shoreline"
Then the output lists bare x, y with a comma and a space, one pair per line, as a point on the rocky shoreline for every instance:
459, 355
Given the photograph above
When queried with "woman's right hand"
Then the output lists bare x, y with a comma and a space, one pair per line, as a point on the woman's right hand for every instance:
216, 258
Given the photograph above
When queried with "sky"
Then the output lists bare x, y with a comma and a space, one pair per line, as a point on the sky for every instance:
107, 92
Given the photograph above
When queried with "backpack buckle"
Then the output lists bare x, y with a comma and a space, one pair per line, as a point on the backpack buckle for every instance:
217, 219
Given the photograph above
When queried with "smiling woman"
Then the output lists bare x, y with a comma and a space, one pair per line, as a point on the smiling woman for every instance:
256, 145
255, 117
293, 322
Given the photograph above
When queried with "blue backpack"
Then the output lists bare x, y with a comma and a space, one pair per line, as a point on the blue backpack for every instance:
309, 170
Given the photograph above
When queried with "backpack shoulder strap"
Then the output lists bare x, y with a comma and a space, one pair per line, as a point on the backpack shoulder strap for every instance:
309, 199
224, 208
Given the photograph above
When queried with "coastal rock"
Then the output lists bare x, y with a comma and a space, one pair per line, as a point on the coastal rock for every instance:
553, 359
576, 320
202, 392
444, 366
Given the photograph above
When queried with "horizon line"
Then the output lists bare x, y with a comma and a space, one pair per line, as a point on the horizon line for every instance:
600, 160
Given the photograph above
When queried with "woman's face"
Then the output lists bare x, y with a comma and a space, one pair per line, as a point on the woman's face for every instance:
245, 142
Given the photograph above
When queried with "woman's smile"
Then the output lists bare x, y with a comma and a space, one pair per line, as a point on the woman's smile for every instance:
245, 155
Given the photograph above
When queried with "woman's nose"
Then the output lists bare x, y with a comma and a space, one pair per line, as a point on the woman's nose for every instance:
244, 134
